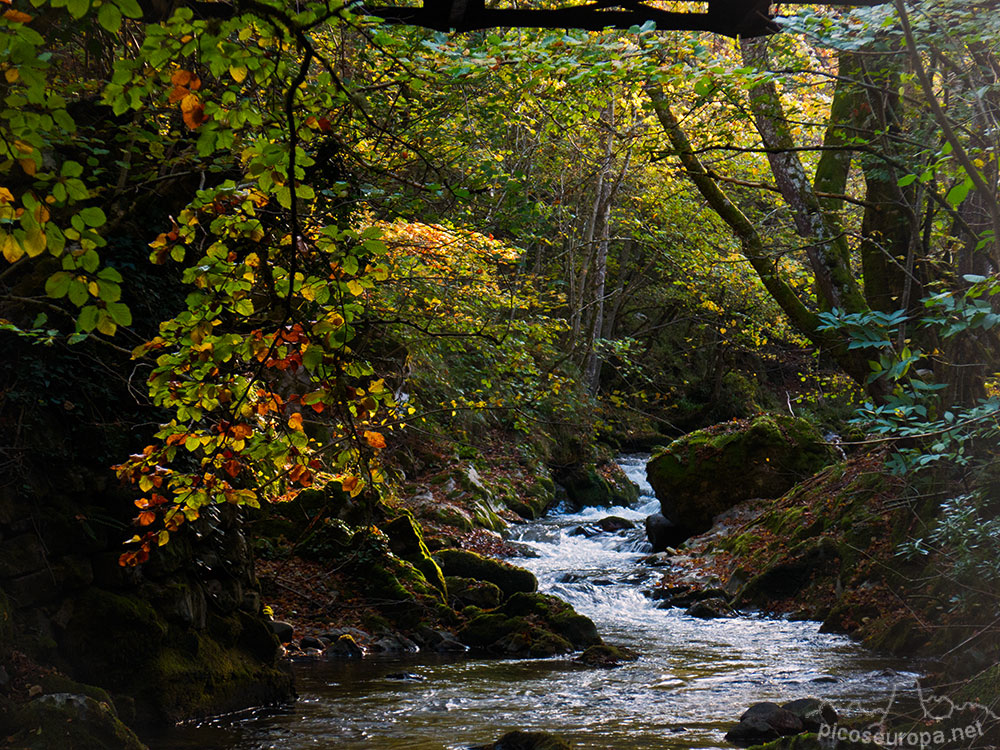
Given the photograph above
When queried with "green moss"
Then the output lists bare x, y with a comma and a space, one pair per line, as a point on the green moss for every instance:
693, 475
464, 564
406, 540
604, 655
69, 722
556, 615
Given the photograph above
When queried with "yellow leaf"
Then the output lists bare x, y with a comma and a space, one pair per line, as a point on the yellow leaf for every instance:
35, 242
308, 292
162, 537
6, 196
92, 287
11, 75
10, 247
24, 148
295, 421
106, 325
238, 72
355, 288
28, 165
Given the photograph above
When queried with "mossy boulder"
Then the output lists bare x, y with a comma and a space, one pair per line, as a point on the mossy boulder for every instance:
69, 721
407, 542
465, 564
598, 485
606, 655
533, 502
707, 472
503, 635
464, 592
556, 615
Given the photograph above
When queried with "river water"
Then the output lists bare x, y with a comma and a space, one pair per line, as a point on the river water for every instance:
693, 680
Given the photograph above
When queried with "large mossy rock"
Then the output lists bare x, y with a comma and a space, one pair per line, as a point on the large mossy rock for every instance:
69, 721
530, 624
508, 578
708, 471
406, 540
597, 485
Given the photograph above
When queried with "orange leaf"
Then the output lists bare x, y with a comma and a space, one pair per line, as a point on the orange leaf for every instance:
295, 421
17, 16
177, 93
195, 117
145, 518
28, 165
190, 103
232, 467
375, 439
181, 77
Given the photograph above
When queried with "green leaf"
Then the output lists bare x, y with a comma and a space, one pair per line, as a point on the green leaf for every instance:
130, 8
78, 8
120, 313
959, 193
57, 284
78, 293
907, 180
88, 318
109, 17
93, 216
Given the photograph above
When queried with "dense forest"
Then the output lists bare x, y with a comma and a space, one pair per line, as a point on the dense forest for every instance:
306, 308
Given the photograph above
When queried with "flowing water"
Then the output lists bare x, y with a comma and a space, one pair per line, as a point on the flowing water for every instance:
693, 680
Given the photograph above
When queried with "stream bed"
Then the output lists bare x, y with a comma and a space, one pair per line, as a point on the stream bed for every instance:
693, 679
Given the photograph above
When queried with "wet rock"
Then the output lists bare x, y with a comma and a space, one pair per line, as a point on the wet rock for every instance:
592, 485
764, 722
345, 646
611, 524
527, 741
710, 609
707, 472
312, 642
587, 532
439, 641
405, 677
605, 655
463, 592
282, 630
395, 643
557, 615
508, 578
663, 533
812, 712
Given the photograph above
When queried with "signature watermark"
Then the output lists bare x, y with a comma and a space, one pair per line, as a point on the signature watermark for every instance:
940, 720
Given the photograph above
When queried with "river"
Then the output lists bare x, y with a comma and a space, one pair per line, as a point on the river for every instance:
693, 680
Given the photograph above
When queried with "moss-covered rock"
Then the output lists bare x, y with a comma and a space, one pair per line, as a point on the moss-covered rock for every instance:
556, 615
606, 655
601, 485
503, 635
508, 578
69, 721
407, 541
463, 592
708, 471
